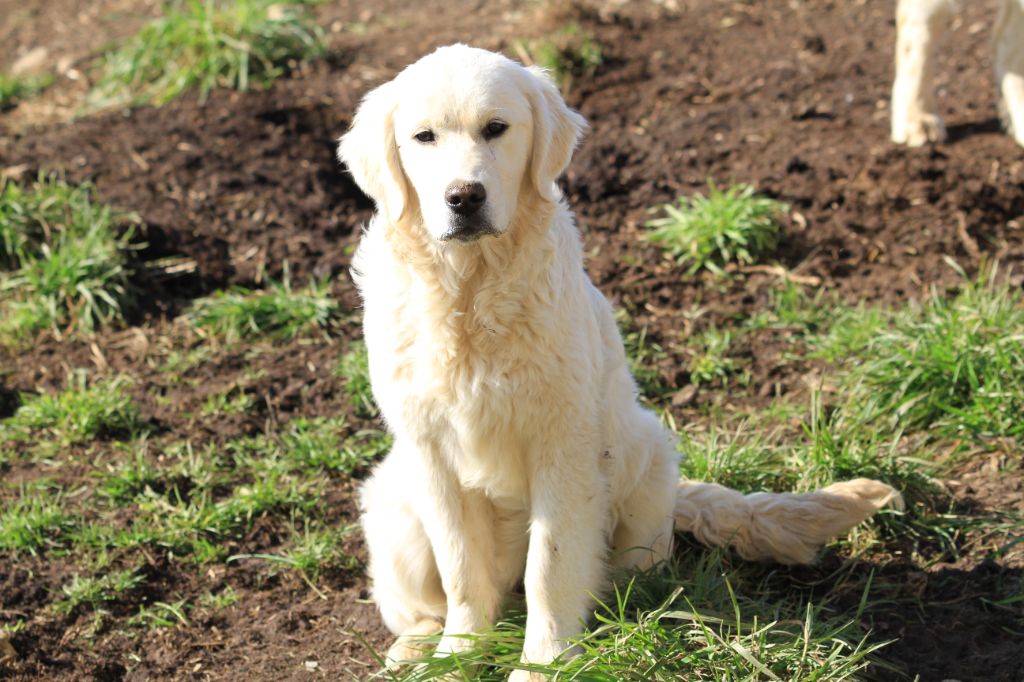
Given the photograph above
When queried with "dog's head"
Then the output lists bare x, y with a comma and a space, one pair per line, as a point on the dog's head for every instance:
456, 138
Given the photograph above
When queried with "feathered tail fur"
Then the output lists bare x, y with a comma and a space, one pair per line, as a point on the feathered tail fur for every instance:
786, 527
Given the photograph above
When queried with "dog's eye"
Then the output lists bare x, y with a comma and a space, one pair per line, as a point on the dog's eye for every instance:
494, 129
425, 136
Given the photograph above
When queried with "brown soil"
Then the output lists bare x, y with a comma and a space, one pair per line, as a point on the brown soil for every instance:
788, 96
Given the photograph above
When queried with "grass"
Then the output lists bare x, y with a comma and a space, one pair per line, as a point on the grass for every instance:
206, 44
733, 226
687, 621
15, 88
232, 401
354, 370
63, 259
710, 362
198, 502
310, 445
310, 552
129, 478
162, 615
216, 601
952, 364
80, 413
35, 521
255, 504
278, 312
94, 591
642, 355
567, 54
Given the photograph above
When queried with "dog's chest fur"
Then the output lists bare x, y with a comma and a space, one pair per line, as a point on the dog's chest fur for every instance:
473, 368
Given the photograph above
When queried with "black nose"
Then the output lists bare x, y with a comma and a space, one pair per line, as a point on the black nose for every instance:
465, 198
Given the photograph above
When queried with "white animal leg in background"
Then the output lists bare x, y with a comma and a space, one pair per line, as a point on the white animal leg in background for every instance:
915, 116
567, 548
1009, 65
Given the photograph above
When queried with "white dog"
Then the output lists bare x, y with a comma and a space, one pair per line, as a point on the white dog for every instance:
521, 453
919, 25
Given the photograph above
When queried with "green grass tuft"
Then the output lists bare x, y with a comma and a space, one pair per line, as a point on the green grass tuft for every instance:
643, 356
14, 88
955, 364
353, 368
567, 53
311, 446
699, 619
34, 521
279, 311
95, 591
129, 478
722, 228
233, 401
205, 44
63, 259
162, 615
710, 362
78, 414
310, 552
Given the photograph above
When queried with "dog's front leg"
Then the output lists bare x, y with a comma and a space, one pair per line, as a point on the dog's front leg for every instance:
567, 549
459, 525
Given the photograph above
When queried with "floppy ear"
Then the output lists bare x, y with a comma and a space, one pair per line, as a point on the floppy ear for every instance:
371, 154
556, 130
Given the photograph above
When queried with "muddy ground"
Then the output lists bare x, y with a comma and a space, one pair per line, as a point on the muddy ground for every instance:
788, 95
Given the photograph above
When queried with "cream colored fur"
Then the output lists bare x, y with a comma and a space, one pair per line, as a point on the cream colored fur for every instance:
920, 24
521, 453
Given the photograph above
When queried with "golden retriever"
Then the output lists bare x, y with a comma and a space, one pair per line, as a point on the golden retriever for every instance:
919, 25
520, 450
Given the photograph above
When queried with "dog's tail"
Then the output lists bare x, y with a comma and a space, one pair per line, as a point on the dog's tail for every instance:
785, 527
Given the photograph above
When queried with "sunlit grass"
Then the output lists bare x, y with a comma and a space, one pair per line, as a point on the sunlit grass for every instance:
710, 361
696, 619
568, 53
94, 591
353, 368
81, 412
642, 354
35, 521
16, 88
310, 552
278, 312
734, 226
206, 44
63, 259
954, 364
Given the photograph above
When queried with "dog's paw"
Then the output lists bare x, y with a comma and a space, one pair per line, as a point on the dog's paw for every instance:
453, 644
414, 643
526, 676
917, 129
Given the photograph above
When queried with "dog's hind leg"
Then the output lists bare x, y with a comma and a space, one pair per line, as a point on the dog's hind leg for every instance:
786, 527
915, 116
405, 581
643, 530
1009, 64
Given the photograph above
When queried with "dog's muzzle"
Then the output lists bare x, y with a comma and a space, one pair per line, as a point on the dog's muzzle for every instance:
469, 222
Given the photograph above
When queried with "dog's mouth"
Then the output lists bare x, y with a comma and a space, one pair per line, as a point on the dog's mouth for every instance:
468, 230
